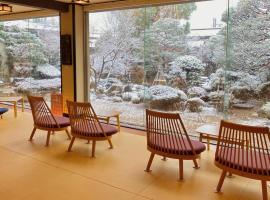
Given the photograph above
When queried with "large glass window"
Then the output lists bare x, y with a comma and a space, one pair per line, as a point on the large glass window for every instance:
207, 60
30, 57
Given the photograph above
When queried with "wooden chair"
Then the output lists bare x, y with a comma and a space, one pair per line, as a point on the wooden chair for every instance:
45, 120
243, 150
167, 137
86, 125
57, 106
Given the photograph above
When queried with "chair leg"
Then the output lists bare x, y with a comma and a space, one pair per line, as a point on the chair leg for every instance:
48, 138
221, 180
196, 166
150, 162
32, 134
264, 190
71, 144
68, 134
93, 148
110, 142
181, 169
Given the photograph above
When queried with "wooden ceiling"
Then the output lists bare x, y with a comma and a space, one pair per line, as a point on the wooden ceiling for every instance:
33, 5
20, 9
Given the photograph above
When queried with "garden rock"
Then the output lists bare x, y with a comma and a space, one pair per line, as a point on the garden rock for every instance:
113, 88
47, 71
127, 96
165, 97
117, 99
136, 99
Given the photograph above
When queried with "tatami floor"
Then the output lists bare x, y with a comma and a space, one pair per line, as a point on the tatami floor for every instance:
29, 170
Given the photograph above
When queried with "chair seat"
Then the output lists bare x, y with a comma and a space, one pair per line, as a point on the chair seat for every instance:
175, 145
90, 129
3, 110
240, 159
62, 122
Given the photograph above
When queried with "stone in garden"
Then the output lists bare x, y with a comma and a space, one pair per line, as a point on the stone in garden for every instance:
264, 111
117, 99
165, 97
135, 99
127, 96
243, 106
195, 104
113, 88
127, 88
47, 71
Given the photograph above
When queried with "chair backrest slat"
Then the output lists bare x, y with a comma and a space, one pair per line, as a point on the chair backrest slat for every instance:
83, 119
245, 148
166, 133
42, 114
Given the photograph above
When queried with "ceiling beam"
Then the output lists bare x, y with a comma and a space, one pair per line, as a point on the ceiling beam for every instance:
126, 4
45, 4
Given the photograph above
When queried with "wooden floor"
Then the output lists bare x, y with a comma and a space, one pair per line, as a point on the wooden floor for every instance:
29, 170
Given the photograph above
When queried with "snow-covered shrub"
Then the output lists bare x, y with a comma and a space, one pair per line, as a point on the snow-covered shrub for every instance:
242, 92
264, 90
21, 70
195, 104
187, 67
235, 78
197, 92
47, 71
165, 97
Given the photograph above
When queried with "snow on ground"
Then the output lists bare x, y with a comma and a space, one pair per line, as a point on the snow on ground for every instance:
134, 115
42, 84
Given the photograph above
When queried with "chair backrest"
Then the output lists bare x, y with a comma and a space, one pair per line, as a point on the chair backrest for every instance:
166, 133
57, 104
83, 119
243, 147
42, 114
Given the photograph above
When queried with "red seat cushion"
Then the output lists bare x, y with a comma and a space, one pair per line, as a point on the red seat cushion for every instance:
62, 121
90, 129
50, 123
175, 144
246, 161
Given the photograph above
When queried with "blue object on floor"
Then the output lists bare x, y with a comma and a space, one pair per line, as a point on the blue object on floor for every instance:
2, 111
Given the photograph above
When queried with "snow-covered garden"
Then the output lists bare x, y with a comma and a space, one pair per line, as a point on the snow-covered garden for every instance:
30, 57
148, 58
